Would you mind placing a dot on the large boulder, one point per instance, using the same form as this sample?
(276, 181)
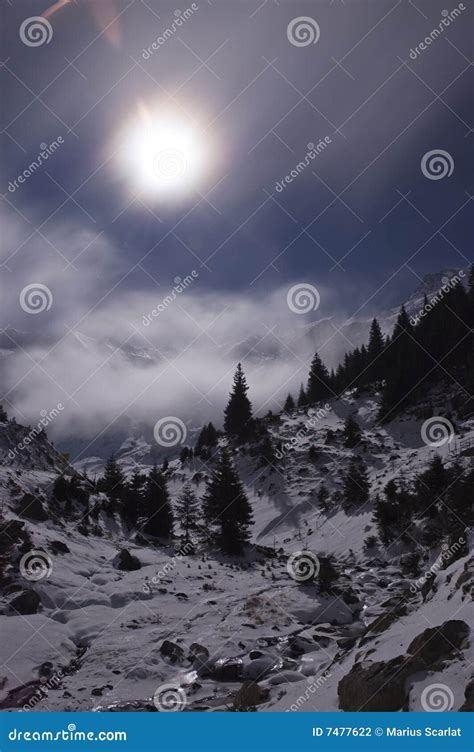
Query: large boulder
(58, 547)
(32, 508)
(468, 704)
(126, 561)
(378, 686)
(172, 651)
(439, 643)
(228, 669)
(26, 602)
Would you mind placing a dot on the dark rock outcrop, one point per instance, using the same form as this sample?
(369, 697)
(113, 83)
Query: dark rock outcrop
(26, 602)
(126, 561)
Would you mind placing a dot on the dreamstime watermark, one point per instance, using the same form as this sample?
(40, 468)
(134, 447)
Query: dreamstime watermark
(445, 556)
(170, 698)
(447, 19)
(170, 431)
(303, 566)
(437, 431)
(303, 31)
(313, 685)
(169, 567)
(314, 416)
(314, 150)
(47, 417)
(46, 151)
(36, 565)
(36, 298)
(42, 692)
(437, 698)
(71, 734)
(180, 286)
(448, 285)
(303, 298)
(170, 165)
(437, 164)
(35, 31)
(178, 21)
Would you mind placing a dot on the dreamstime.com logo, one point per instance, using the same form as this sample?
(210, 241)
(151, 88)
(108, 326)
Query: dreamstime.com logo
(437, 698)
(303, 298)
(303, 566)
(437, 431)
(303, 31)
(71, 734)
(313, 685)
(46, 151)
(179, 287)
(170, 431)
(445, 556)
(168, 568)
(179, 19)
(45, 420)
(437, 164)
(448, 285)
(447, 19)
(36, 298)
(314, 416)
(54, 682)
(314, 150)
(170, 165)
(35, 31)
(170, 699)
(36, 565)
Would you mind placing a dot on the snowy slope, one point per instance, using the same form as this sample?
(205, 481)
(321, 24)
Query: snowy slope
(98, 638)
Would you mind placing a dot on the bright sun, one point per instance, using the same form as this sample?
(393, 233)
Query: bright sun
(165, 154)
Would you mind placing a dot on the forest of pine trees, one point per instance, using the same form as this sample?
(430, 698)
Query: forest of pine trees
(439, 344)
(420, 350)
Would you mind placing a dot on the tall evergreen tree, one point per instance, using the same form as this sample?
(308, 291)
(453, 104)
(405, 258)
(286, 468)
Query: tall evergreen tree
(133, 498)
(113, 481)
(289, 405)
(352, 432)
(302, 397)
(207, 439)
(238, 420)
(319, 387)
(188, 514)
(227, 511)
(356, 484)
(375, 349)
(400, 379)
(156, 506)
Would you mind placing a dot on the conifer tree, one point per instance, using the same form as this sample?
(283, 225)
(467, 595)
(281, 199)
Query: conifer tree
(302, 397)
(156, 506)
(133, 498)
(289, 405)
(113, 481)
(227, 511)
(206, 439)
(352, 432)
(238, 413)
(374, 353)
(356, 484)
(319, 387)
(188, 515)
(267, 452)
(400, 379)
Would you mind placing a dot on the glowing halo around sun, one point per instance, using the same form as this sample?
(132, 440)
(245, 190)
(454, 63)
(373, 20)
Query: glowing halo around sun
(165, 154)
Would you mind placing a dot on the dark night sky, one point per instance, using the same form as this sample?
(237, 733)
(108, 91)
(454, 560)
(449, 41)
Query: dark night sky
(362, 222)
